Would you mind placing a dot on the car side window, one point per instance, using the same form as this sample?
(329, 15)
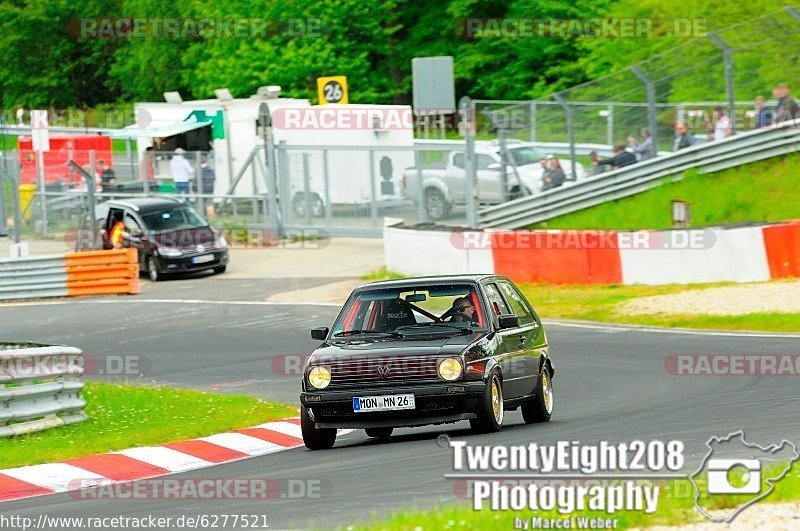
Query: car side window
(458, 160)
(484, 161)
(499, 306)
(517, 303)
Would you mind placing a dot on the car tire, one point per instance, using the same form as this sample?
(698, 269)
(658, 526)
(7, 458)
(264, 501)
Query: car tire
(436, 206)
(490, 412)
(153, 272)
(379, 433)
(539, 407)
(219, 270)
(315, 438)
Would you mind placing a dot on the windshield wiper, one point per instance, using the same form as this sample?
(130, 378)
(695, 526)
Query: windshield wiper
(359, 332)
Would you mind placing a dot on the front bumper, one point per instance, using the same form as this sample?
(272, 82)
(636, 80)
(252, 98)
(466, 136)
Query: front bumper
(184, 263)
(437, 403)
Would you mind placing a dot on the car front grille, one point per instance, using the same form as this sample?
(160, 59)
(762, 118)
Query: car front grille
(383, 371)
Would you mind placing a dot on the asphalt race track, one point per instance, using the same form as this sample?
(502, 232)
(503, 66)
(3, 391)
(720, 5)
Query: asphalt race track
(610, 384)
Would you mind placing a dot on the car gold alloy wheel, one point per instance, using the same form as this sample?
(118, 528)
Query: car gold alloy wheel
(497, 401)
(547, 392)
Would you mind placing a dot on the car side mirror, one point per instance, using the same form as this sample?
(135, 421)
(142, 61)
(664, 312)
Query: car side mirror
(508, 321)
(494, 166)
(320, 333)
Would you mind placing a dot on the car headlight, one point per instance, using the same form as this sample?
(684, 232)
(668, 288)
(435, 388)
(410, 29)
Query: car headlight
(170, 252)
(449, 369)
(220, 242)
(319, 377)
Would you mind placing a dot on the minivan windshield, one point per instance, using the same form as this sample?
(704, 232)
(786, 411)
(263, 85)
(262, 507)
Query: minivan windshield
(173, 218)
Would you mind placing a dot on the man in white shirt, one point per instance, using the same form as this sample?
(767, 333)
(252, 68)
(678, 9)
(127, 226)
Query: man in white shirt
(181, 171)
(722, 128)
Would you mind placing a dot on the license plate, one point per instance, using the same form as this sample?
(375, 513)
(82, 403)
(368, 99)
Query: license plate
(203, 259)
(363, 404)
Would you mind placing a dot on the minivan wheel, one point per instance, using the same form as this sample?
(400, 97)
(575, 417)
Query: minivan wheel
(315, 438)
(152, 269)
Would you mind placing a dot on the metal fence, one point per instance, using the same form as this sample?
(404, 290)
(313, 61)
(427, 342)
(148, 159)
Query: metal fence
(726, 70)
(39, 387)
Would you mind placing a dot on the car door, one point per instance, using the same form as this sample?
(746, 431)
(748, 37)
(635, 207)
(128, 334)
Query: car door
(457, 178)
(529, 337)
(489, 182)
(509, 351)
(132, 237)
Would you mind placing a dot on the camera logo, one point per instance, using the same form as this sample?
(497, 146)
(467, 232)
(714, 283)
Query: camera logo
(735, 474)
(725, 476)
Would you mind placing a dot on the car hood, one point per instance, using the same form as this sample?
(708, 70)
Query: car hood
(381, 347)
(184, 238)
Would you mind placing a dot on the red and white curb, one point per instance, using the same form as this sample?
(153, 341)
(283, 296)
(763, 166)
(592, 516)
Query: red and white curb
(150, 461)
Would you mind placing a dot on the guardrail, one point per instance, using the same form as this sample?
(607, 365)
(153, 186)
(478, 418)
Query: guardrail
(70, 275)
(39, 387)
(708, 157)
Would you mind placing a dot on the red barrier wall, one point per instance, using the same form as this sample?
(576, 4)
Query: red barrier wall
(595, 260)
(782, 243)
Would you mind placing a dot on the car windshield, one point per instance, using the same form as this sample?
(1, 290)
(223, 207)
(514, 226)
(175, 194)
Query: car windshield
(173, 218)
(525, 155)
(408, 311)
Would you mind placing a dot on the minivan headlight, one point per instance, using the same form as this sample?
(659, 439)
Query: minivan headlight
(449, 369)
(170, 252)
(319, 377)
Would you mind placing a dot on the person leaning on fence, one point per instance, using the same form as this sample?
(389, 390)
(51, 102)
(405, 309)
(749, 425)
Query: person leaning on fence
(555, 176)
(763, 114)
(722, 124)
(107, 175)
(621, 157)
(597, 168)
(181, 171)
(786, 108)
(644, 150)
(683, 138)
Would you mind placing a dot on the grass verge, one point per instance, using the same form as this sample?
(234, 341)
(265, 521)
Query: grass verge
(675, 507)
(124, 416)
(599, 303)
(763, 191)
(381, 274)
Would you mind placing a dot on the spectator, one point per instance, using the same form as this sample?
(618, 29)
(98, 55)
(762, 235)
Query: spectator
(722, 126)
(763, 115)
(683, 138)
(786, 108)
(207, 175)
(545, 171)
(556, 176)
(147, 171)
(98, 183)
(620, 159)
(644, 150)
(597, 168)
(107, 175)
(181, 171)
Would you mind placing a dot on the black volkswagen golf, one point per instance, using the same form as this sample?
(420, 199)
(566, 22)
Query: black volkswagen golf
(422, 351)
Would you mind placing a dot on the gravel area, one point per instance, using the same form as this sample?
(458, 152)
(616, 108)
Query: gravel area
(767, 297)
(763, 517)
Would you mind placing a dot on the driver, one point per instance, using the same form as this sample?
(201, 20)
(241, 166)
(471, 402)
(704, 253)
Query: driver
(462, 311)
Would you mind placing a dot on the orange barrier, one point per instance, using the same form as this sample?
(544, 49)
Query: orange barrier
(102, 272)
(782, 243)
